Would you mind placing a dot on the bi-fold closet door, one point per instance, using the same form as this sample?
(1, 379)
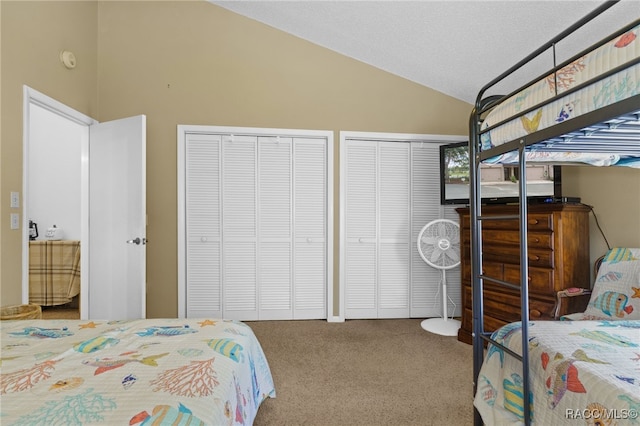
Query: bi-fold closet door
(377, 242)
(255, 226)
(391, 189)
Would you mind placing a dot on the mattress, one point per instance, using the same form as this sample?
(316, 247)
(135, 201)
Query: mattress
(579, 371)
(622, 84)
(66, 372)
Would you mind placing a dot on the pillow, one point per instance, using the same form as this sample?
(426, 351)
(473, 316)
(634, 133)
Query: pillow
(616, 290)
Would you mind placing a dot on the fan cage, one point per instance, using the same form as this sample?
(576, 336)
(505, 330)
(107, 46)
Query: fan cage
(439, 244)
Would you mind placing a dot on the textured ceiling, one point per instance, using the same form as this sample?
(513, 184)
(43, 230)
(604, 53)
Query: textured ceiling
(455, 47)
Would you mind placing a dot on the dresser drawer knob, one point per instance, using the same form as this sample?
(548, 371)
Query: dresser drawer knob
(534, 221)
(534, 313)
(534, 258)
(536, 240)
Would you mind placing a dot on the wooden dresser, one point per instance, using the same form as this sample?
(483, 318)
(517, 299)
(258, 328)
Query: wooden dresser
(558, 237)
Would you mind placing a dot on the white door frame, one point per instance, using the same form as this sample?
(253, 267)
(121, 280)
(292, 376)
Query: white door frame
(182, 133)
(33, 97)
(370, 136)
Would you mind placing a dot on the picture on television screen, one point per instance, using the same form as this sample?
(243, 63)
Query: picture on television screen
(499, 182)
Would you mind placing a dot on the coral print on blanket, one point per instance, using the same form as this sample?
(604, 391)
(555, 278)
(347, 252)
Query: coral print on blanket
(131, 372)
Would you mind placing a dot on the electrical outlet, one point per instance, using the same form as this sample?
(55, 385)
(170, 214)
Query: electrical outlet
(15, 199)
(15, 221)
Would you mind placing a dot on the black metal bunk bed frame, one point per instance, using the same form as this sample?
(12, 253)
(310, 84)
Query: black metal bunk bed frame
(592, 125)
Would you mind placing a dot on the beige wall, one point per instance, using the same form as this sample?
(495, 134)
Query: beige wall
(195, 63)
(32, 36)
(614, 193)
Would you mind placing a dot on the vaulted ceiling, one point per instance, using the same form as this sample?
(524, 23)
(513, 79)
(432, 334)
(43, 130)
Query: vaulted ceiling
(455, 47)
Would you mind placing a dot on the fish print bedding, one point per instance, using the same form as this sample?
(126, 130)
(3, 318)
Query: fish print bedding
(622, 51)
(580, 371)
(137, 372)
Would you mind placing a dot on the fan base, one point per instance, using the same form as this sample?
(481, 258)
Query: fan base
(444, 327)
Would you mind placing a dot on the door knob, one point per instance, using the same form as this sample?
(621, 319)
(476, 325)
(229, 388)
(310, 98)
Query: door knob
(137, 241)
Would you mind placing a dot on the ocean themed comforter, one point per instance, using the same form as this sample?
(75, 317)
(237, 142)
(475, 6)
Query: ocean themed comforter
(623, 84)
(580, 371)
(138, 372)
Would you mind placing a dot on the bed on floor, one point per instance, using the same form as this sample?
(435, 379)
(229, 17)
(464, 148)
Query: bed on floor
(584, 368)
(153, 371)
(585, 110)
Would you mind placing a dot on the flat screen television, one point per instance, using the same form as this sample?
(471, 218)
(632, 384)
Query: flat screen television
(499, 182)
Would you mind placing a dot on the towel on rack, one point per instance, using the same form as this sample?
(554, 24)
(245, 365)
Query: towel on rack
(54, 272)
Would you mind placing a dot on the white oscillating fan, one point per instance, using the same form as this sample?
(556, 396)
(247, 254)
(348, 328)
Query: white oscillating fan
(439, 247)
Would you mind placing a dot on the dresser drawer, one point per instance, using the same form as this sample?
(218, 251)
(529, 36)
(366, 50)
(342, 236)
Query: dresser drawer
(535, 222)
(512, 237)
(490, 323)
(540, 279)
(511, 255)
(505, 305)
(540, 240)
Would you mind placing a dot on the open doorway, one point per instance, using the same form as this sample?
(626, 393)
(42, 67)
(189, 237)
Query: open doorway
(109, 160)
(55, 170)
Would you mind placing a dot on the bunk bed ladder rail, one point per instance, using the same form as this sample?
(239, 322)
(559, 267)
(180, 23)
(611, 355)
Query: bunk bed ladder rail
(478, 277)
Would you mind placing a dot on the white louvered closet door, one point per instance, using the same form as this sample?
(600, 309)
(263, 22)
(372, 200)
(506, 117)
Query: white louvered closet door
(394, 209)
(202, 222)
(274, 225)
(239, 219)
(310, 228)
(425, 185)
(361, 256)
(377, 229)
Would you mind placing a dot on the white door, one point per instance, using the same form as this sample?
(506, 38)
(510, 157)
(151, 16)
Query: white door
(275, 287)
(202, 233)
(239, 230)
(311, 192)
(426, 298)
(113, 187)
(377, 229)
(394, 216)
(117, 225)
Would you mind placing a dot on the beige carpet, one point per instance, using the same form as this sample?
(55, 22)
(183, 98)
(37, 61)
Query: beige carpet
(365, 372)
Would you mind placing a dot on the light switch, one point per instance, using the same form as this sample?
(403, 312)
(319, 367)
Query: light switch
(15, 221)
(15, 199)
